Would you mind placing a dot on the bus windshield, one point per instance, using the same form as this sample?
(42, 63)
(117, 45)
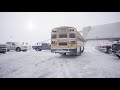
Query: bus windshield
(62, 35)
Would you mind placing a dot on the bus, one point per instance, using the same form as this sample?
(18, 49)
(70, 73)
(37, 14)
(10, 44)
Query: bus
(66, 40)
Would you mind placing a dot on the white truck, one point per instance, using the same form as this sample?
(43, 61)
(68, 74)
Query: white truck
(16, 46)
(3, 48)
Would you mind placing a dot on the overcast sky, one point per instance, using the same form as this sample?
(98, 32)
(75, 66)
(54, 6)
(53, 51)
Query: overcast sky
(36, 26)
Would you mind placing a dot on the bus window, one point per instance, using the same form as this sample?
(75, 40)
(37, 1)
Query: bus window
(62, 35)
(62, 43)
(72, 35)
(54, 36)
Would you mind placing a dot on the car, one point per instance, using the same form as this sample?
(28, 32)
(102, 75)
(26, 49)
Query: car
(3, 48)
(16, 46)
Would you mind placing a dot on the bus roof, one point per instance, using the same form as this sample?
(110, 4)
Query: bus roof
(64, 28)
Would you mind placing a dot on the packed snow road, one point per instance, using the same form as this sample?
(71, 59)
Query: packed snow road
(44, 64)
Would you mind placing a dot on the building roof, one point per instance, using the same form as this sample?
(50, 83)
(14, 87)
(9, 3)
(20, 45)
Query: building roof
(111, 30)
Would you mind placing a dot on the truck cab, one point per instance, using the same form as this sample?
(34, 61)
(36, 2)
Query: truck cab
(42, 46)
(16, 46)
(46, 46)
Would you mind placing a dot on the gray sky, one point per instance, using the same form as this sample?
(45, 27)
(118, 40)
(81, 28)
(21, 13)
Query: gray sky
(36, 26)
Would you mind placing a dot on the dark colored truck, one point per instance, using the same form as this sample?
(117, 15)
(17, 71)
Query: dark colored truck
(42, 46)
(116, 49)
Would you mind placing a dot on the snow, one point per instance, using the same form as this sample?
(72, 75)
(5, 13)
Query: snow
(44, 64)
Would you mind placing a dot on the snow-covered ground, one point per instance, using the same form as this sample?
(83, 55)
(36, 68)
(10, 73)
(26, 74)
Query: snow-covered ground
(44, 64)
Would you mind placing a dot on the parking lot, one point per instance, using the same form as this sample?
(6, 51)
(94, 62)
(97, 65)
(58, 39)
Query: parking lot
(44, 64)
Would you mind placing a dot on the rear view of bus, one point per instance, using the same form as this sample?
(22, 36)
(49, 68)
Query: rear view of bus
(66, 40)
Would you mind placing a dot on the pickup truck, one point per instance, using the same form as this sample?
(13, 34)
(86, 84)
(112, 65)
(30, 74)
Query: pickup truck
(3, 48)
(116, 49)
(42, 46)
(16, 46)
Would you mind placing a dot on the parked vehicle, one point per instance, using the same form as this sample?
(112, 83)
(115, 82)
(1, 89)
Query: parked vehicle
(116, 49)
(106, 48)
(3, 48)
(42, 46)
(16, 46)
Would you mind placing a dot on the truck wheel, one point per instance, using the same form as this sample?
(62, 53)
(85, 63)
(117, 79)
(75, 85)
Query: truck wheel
(39, 49)
(63, 54)
(118, 56)
(18, 49)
